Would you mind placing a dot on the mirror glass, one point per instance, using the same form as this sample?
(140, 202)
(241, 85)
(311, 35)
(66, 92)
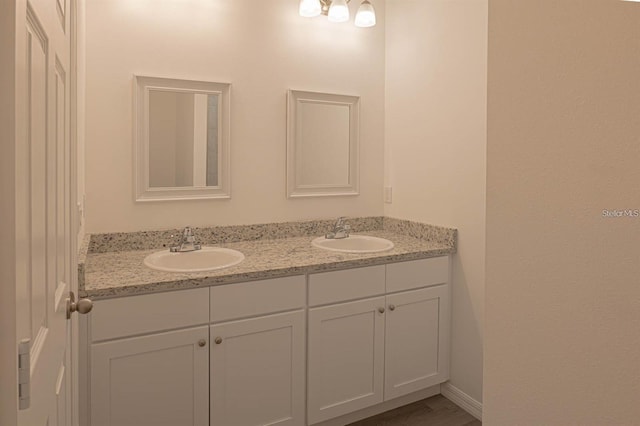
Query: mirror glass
(322, 144)
(182, 139)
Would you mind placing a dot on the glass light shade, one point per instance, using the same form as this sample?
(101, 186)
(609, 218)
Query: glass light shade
(366, 16)
(310, 8)
(339, 11)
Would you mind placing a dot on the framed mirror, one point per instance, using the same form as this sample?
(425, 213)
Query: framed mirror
(181, 139)
(322, 144)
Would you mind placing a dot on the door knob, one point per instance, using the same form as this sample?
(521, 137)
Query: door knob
(82, 306)
(392, 307)
(381, 310)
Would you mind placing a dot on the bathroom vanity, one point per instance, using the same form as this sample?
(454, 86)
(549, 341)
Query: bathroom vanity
(294, 335)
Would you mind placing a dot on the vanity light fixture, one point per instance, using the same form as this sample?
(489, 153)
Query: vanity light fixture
(310, 8)
(338, 11)
(366, 16)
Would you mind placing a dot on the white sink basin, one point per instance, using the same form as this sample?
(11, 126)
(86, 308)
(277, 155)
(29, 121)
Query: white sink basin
(354, 244)
(203, 260)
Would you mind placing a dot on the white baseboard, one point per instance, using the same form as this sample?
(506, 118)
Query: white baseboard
(462, 400)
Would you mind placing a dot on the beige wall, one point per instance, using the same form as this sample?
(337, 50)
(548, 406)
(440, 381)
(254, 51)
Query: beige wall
(563, 295)
(262, 50)
(436, 55)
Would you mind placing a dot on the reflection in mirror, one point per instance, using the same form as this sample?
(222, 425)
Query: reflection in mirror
(182, 139)
(322, 144)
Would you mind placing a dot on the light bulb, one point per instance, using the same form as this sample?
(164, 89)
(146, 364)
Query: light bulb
(339, 11)
(310, 8)
(366, 16)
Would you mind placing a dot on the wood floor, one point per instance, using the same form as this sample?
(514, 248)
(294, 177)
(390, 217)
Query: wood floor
(434, 411)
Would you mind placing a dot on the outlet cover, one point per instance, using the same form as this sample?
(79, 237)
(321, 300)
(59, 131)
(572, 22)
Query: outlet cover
(388, 194)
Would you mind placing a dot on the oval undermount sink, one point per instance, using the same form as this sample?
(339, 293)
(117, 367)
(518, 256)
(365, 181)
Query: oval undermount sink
(203, 260)
(354, 244)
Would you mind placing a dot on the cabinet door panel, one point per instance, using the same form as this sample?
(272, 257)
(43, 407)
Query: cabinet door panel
(156, 380)
(416, 353)
(346, 350)
(257, 371)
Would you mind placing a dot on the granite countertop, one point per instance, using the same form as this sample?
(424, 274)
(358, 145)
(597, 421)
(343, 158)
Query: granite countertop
(118, 271)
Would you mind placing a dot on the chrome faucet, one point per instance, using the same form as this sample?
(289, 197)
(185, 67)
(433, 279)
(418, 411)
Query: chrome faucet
(187, 242)
(340, 229)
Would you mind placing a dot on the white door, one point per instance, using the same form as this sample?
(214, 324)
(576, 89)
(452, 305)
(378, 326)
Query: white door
(156, 380)
(45, 246)
(346, 358)
(257, 371)
(416, 341)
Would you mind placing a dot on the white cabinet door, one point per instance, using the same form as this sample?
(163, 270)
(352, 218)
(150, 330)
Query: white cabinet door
(258, 371)
(156, 380)
(417, 340)
(345, 355)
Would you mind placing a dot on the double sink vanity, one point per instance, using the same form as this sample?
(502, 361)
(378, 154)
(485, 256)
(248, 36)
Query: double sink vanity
(271, 324)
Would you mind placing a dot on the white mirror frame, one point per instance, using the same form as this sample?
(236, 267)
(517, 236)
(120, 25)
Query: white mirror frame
(143, 192)
(295, 188)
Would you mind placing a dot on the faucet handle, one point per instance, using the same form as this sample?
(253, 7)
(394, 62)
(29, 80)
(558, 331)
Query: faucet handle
(188, 236)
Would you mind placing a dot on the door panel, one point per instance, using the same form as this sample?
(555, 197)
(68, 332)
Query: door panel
(62, 412)
(44, 231)
(37, 165)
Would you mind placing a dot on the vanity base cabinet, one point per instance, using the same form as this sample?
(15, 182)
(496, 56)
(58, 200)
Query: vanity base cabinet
(375, 349)
(346, 358)
(416, 340)
(258, 371)
(156, 380)
(293, 351)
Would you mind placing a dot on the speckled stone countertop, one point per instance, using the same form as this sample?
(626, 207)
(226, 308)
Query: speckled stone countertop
(111, 265)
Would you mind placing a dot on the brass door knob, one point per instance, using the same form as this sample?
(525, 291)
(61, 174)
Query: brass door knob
(218, 340)
(381, 310)
(202, 343)
(392, 307)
